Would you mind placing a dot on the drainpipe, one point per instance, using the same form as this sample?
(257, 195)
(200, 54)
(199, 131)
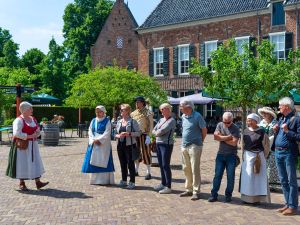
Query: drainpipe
(297, 24)
(258, 28)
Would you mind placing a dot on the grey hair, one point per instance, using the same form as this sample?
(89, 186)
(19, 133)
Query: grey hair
(166, 105)
(287, 101)
(187, 103)
(228, 115)
(24, 106)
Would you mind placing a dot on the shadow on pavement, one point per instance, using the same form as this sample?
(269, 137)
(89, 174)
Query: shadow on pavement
(55, 193)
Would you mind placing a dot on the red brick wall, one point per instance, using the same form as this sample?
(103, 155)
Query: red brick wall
(119, 23)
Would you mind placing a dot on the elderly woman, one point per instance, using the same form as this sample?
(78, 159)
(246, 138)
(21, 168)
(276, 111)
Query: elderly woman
(127, 130)
(25, 162)
(268, 122)
(98, 158)
(254, 186)
(164, 132)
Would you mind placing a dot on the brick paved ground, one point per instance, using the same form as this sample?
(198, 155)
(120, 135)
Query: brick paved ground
(69, 199)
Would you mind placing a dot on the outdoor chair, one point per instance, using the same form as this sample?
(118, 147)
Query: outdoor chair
(62, 130)
(74, 128)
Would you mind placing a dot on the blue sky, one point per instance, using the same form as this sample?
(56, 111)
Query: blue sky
(32, 23)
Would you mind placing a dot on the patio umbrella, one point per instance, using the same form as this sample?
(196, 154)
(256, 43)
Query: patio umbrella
(195, 98)
(295, 96)
(45, 99)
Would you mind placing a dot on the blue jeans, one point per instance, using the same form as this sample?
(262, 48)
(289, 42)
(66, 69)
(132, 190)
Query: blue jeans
(222, 162)
(286, 162)
(164, 152)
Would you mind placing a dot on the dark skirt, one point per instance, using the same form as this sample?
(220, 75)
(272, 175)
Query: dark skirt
(88, 168)
(12, 161)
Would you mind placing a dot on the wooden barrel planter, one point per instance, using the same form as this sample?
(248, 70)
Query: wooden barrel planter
(50, 135)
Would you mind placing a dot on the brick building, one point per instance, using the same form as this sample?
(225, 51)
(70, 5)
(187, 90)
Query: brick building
(117, 42)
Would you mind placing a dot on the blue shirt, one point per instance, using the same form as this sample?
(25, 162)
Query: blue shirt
(281, 138)
(192, 129)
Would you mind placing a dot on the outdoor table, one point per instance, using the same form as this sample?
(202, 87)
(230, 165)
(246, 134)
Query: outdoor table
(4, 129)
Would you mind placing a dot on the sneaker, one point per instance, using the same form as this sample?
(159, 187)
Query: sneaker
(130, 185)
(122, 184)
(166, 190)
(158, 187)
(186, 194)
(228, 199)
(212, 199)
(195, 197)
(148, 177)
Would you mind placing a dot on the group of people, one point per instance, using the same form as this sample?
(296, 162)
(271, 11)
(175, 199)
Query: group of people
(269, 151)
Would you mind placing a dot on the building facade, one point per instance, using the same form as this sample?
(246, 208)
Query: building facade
(117, 43)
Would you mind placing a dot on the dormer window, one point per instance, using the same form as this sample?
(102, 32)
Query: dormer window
(278, 14)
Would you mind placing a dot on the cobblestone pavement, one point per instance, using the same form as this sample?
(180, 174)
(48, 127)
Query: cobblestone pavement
(69, 199)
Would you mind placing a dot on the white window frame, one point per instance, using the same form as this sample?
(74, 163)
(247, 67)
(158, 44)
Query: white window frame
(243, 39)
(207, 52)
(209, 108)
(180, 47)
(277, 43)
(155, 51)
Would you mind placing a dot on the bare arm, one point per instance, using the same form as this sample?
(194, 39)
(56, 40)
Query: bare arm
(204, 133)
(233, 141)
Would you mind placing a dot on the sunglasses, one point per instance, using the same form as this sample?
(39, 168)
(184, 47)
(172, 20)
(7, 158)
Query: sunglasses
(227, 122)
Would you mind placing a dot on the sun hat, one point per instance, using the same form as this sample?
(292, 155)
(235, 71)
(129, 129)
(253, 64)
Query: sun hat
(268, 110)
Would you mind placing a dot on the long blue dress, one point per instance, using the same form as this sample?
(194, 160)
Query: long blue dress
(87, 167)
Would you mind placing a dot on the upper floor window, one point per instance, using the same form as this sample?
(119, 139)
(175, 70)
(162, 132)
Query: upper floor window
(240, 42)
(119, 42)
(278, 39)
(278, 15)
(210, 46)
(184, 59)
(158, 61)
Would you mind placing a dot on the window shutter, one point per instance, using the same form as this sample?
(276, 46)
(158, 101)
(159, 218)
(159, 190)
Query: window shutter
(166, 62)
(151, 62)
(202, 54)
(191, 53)
(251, 47)
(266, 37)
(288, 43)
(175, 60)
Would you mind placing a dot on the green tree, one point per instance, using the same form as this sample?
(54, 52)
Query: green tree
(83, 21)
(112, 86)
(244, 79)
(4, 37)
(13, 76)
(53, 77)
(31, 59)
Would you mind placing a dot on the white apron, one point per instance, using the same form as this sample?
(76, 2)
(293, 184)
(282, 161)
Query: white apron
(253, 184)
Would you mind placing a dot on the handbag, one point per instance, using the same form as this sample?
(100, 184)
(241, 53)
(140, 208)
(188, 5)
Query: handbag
(257, 163)
(21, 144)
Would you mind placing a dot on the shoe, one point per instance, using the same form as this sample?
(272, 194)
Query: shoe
(289, 212)
(148, 177)
(136, 174)
(166, 190)
(130, 186)
(186, 194)
(228, 199)
(22, 186)
(281, 210)
(122, 184)
(158, 187)
(212, 199)
(40, 184)
(195, 197)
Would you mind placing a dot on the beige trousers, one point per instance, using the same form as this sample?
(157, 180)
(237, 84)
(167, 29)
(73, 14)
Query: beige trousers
(191, 156)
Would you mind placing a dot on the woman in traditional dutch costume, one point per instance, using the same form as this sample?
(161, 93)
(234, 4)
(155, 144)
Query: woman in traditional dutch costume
(98, 159)
(269, 120)
(254, 186)
(26, 163)
(127, 131)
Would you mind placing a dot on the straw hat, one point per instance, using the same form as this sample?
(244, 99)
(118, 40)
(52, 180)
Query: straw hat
(267, 110)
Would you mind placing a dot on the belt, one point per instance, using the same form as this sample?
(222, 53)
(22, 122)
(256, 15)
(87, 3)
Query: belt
(281, 149)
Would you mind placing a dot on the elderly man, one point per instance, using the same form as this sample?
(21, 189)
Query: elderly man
(227, 133)
(193, 134)
(287, 132)
(144, 117)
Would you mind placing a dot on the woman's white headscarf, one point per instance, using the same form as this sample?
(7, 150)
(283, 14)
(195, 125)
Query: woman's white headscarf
(254, 116)
(24, 106)
(101, 108)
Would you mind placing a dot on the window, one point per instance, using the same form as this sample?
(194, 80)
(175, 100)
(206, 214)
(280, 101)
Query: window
(210, 46)
(210, 110)
(119, 42)
(158, 61)
(183, 61)
(278, 16)
(278, 40)
(240, 42)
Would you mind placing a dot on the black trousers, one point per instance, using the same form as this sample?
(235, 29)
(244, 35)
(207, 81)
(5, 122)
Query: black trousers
(126, 162)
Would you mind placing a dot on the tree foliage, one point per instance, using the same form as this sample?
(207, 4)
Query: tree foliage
(112, 86)
(83, 21)
(244, 80)
(31, 59)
